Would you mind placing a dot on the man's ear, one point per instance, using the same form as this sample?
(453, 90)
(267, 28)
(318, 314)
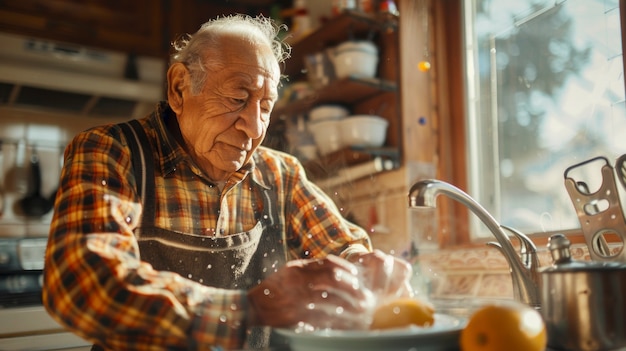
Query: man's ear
(177, 79)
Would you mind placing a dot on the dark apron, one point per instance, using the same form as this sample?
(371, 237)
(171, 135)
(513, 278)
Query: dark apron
(235, 261)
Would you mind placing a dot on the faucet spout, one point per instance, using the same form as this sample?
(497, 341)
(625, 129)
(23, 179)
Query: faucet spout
(524, 269)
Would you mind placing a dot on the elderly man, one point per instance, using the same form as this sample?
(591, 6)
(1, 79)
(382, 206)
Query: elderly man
(179, 231)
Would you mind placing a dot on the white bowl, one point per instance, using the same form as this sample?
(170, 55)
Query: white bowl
(326, 135)
(355, 58)
(442, 335)
(363, 130)
(307, 151)
(324, 112)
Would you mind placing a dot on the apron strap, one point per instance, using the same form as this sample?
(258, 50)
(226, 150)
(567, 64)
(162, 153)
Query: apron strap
(143, 167)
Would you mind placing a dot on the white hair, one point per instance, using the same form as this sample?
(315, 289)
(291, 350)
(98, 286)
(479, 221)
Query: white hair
(191, 49)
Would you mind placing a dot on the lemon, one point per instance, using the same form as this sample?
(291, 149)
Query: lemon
(497, 327)
(403, 312)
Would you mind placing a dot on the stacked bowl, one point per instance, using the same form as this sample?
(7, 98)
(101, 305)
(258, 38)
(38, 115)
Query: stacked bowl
(333, 128)
(355, 59)
(363, 131)
(324, 125)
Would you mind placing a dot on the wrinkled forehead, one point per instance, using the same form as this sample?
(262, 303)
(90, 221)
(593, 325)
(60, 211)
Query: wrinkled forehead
(249, 49)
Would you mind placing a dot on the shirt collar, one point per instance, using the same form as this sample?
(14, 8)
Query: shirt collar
(169, 149)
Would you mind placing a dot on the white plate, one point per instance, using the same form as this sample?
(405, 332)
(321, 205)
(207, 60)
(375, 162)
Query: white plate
(443, 335)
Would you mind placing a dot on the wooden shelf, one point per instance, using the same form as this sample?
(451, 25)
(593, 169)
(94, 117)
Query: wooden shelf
(329, 165)
(347, 163)
(346, 26)
(342, 91)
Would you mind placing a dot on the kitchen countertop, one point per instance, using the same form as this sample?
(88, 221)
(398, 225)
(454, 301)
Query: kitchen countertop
(31, 328)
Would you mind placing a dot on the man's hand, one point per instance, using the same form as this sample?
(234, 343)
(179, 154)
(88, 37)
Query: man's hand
(386, 276)
(322, 293)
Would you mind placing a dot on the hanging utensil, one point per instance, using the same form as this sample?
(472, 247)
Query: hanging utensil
(35, 204)
(620, 169)
(600, 213)
(15, 179)
(1, 180)
(603, 246)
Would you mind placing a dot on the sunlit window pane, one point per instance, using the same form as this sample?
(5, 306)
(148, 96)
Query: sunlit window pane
(545, 92)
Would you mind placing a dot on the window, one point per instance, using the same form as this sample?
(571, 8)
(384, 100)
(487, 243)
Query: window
(545, 91)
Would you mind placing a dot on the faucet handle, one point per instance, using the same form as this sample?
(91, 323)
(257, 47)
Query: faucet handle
(528, 249)
(497, 245)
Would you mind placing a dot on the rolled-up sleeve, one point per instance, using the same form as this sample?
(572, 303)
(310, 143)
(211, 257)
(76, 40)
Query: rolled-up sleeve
(316, 226)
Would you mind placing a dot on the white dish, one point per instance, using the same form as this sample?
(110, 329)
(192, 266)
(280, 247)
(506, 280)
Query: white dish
(363, 130)
(355, 58)
(443, 335)
(326, 135)
(326, 112)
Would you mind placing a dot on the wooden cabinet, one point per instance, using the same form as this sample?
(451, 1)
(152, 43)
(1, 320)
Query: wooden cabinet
(363, 95)
(142, 27)
(129, 26)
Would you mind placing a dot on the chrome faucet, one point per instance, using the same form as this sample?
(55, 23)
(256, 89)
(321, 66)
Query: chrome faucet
(523, 267)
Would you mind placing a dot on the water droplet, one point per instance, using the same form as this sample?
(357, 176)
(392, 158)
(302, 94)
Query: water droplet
(223, 318)
(209, 266)
(324, 294)
(234, 307)
(189, 275)
(265, 254)
(266, 292)
(201, 281)
(396, 310)
(104, 182)
(338, 275)
(310, 306)
(306, 253)
(129, 220)
(339, 310)
(232, 266)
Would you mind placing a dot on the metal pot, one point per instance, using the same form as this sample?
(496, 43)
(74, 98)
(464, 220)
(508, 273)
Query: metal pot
(583, 303)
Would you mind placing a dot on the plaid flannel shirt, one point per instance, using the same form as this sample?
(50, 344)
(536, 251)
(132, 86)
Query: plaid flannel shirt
(95, 283)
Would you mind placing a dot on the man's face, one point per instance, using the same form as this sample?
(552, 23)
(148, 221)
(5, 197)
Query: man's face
(224, 124)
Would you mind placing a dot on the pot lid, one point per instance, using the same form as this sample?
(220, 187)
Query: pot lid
(559, 246)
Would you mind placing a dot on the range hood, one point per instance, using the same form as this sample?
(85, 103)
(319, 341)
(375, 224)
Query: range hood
(47, 76)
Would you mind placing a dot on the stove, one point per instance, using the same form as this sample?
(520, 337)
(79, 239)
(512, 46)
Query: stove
(21, 271)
